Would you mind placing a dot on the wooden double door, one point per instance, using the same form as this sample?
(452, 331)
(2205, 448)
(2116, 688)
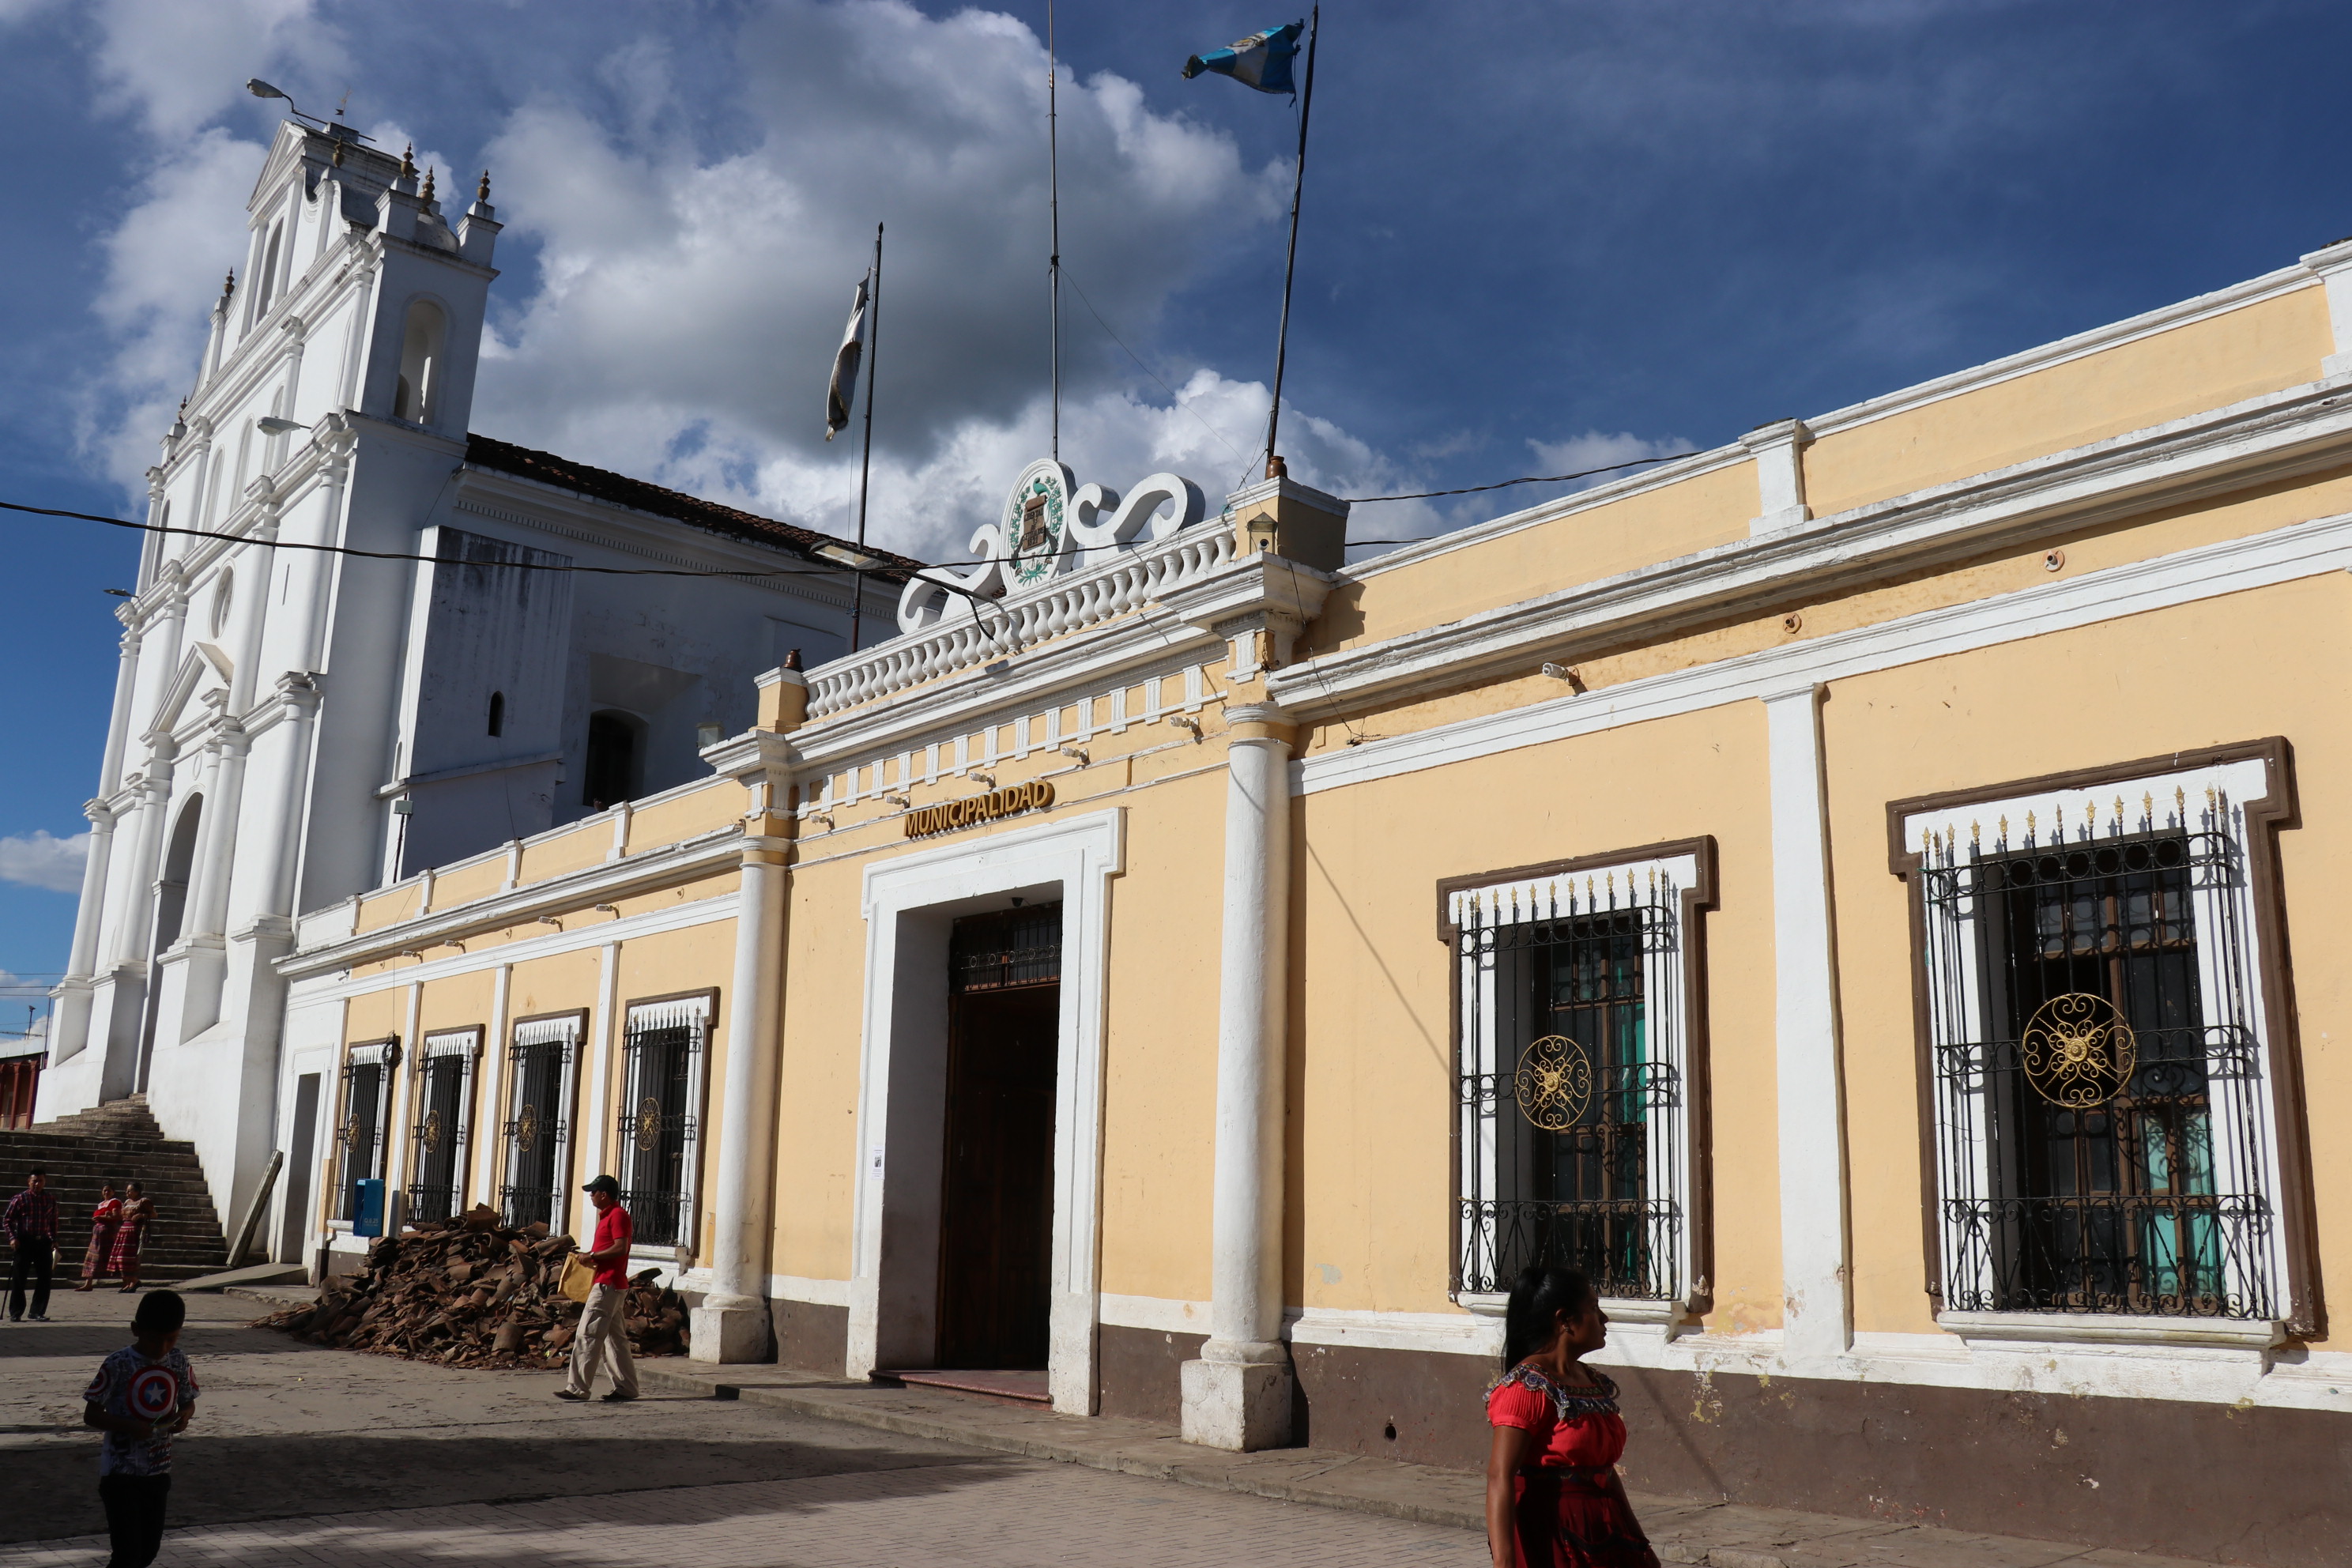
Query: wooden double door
(996, 1200)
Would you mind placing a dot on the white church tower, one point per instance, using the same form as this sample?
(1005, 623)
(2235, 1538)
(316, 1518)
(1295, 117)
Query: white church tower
(293, 726)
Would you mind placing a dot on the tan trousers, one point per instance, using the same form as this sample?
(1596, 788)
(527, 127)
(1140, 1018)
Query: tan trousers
(602, 1329)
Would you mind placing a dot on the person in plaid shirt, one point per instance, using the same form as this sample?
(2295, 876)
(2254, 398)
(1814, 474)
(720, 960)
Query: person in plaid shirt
(31, 1222)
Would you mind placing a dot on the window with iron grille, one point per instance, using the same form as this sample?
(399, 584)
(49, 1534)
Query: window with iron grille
(1007, 949)
(1574, 1110)
(445, 1095)
(541, 1060)
(367, 1112)
(2102, 1131)
(665, 1052)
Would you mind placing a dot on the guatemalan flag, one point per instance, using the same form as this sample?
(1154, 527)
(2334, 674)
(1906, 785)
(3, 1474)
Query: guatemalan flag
(1262, 60)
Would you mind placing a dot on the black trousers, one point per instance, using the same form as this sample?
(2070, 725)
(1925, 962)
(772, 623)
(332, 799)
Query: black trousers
(134, 1517)
(35, 1259)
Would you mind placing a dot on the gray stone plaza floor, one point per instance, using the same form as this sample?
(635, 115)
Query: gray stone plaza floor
(307, 1455)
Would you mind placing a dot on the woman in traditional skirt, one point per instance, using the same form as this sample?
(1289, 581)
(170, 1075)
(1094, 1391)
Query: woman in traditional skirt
(138, 1213)
(1553, 1496)
(104, 1220)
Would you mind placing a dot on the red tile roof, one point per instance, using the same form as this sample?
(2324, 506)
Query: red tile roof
(601, 484)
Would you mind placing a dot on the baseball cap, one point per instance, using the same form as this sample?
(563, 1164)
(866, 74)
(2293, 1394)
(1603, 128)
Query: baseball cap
(603, 1184)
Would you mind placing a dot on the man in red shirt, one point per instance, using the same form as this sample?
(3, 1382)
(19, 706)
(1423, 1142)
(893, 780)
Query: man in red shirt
(601, 1325)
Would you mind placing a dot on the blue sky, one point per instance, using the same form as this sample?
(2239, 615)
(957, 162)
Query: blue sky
(1537, 236)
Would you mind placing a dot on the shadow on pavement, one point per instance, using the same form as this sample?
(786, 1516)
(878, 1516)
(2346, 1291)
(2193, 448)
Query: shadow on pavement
(53, 1492)
(97, 1340)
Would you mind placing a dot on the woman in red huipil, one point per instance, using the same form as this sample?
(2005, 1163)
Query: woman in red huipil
(138, 1213)
(104, 1221)
(1553, 1496)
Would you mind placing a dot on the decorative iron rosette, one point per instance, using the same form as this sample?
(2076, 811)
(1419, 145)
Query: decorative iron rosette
(527, 1128)
(430, 1134)
(2077, 1050)
(1554, 1083)
(352, 1131)
(649, 1124)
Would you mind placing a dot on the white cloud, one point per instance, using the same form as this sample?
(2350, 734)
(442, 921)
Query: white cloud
(1602, 449)
(38, 861)
(686, 295)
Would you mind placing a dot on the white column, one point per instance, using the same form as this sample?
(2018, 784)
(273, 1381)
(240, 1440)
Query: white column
(126, 686)
(70, 1029)
(154, 787)
(1817, 1320)
(731, 1324)
(280, 825)
(208, 901)
(1237, 1395)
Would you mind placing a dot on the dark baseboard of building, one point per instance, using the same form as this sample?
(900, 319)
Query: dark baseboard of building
(810, 1337)
(2254, 1486)
(1135, 1371)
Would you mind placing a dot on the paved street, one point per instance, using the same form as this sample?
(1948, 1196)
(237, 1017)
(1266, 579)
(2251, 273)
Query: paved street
(307, 1455)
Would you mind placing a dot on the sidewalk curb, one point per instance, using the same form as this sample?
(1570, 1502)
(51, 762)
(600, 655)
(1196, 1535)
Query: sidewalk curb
(1682, 1530)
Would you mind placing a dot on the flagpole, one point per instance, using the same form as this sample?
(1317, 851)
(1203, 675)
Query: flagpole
(1290, 266)
(865, 463)
(1054, 211)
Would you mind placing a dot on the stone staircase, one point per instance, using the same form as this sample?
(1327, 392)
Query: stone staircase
(119, 1141)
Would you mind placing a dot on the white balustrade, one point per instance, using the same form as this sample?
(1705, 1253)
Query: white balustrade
(972, 631)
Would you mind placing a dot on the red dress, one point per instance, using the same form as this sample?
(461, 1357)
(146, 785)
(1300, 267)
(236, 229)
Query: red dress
(131, 1233)
(103, 1222)
(1566, 1512)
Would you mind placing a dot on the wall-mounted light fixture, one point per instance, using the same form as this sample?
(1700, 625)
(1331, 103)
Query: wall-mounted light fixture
(1182, 722)
(1077, 754)
(987, 778)
(900, 801)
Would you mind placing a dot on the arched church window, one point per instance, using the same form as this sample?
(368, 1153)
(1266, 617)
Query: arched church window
(498, 712)
(266, 284)
(224, 594)
(615, 759)
(418, 391)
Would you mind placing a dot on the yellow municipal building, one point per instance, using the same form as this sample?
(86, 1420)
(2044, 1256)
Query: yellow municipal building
(1841, 890)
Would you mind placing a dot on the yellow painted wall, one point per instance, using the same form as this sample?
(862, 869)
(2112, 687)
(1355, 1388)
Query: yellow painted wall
(693, 959)
(817, 1122)
(1374, 1087)
(1649, 526)
(2236, 669)
(1160, 1044)
(714, 806)
(2206, 364)
(587, 845)
(463, 884)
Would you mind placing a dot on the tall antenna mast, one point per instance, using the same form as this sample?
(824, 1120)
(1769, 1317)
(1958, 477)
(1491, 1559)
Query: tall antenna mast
(1053, 212)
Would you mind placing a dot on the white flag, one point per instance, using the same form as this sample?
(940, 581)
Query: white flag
(844, 390)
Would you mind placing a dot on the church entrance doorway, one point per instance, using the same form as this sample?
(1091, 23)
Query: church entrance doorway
(996, 1198)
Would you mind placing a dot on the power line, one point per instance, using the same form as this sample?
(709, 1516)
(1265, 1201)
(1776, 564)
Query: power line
(813, 571)
(1506, 484)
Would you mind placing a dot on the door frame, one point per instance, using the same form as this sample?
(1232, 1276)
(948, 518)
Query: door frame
(909, 903)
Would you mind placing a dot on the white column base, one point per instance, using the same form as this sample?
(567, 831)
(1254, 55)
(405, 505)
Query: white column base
(729, 1335)
(1240, 1406)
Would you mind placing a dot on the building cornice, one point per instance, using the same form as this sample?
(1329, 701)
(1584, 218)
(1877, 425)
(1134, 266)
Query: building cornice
(2263, 439)
(666, 866)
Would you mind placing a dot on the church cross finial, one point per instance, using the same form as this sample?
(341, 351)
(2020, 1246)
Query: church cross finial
(482, 191)
(408, 162)
(228, 285)
(428, 184)
(336, 155)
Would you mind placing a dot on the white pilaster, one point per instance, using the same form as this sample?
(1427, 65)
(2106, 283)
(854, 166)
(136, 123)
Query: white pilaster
(1816, 1289)
(732, 1323)
(70, 1031)
(2334, 265)
(1780, 449)
(1238, 1394)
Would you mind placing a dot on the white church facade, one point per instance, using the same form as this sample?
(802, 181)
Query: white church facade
(294, 724)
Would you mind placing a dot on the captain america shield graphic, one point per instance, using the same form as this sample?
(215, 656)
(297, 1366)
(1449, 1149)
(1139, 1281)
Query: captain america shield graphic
(153, 1394)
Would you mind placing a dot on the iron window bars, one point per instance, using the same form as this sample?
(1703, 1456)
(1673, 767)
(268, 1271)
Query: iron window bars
(541, 1059)
(367, 1111)
(1573, 1121)
(2102, 1142)
(1007, 950)
(445, 1119)
(665, 1053)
